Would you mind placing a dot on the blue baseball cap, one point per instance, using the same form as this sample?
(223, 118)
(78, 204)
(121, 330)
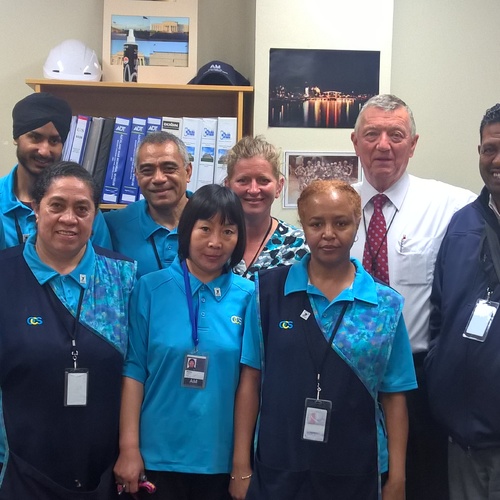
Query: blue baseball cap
(218, 73)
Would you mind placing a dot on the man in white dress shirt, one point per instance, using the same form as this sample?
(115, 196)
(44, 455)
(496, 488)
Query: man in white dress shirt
(417, 214)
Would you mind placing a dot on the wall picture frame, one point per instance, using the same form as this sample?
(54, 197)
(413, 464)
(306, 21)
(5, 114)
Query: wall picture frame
(303, 167)
(317, 88)
(166, 33)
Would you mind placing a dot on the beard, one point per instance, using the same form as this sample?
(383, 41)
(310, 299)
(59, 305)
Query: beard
(32, 163)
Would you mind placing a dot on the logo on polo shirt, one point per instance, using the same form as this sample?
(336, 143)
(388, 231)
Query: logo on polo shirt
(34, 320)
(236, 320)
(286, 325)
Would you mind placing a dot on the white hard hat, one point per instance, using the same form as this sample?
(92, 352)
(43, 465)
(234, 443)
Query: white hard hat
(72, 60)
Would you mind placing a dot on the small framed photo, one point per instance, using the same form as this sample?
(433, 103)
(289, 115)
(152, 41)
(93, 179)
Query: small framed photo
(165, 32)
(301, 168)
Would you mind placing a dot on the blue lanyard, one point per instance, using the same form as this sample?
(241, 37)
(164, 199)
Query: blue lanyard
(193, 315)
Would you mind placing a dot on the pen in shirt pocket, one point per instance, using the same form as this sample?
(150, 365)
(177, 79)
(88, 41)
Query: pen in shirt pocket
(402, 242)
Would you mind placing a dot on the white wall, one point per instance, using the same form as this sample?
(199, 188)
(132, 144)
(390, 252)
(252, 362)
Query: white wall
(226, 32)
(446, 66)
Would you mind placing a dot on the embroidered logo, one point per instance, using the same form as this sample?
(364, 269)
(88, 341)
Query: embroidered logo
(34, 320)
(236, 320)
(286, 325)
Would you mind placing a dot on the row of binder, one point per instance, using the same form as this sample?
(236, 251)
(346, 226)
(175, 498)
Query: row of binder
(106, 147)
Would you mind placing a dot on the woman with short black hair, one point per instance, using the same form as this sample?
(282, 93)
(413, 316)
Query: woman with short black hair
(185, 349)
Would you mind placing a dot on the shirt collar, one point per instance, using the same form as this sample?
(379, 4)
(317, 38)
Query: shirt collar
(148, 225)
(44, 273)
(8, 199)
(362, 288)
(218, 287)
(396, 193)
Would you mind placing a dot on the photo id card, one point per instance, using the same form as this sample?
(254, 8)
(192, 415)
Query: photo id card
(76, 386)
(194, 371)
(480, 320)
(316, 420)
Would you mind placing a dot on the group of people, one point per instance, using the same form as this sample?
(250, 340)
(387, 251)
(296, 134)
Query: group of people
(193, 345)
(313, 170)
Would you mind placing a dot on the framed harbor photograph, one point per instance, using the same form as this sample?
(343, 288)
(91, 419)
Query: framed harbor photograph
(320, 88)
(301, 168)
(164, 32)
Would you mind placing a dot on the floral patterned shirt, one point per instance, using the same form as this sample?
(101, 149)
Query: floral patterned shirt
(286, 246)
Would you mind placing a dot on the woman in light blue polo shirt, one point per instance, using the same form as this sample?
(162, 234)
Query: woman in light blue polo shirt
(183, 363)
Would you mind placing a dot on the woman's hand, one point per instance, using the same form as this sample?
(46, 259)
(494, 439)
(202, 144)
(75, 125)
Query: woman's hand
(238, 487)
(393, 490)
(129, 468)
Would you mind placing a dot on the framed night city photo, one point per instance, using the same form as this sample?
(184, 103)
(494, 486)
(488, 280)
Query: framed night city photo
(303, 167)
(320, 88)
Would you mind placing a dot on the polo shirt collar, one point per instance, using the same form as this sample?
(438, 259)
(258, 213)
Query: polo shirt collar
(363, 287)
(148, 225)
(219, 287)
(44, 273)
(8, 200)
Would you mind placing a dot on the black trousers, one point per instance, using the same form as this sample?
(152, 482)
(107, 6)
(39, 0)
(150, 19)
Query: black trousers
(182, 486)
(427, 453)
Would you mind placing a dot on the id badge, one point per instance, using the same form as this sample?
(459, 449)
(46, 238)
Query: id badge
(480, 320)
(194, 371)
(316, 420)
(76, 386)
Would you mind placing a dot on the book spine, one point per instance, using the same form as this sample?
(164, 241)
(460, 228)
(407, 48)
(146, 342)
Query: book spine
(207, 152)
(172, 125)
(153, 124)
(81, 131)
(103, 152)
(117, 159)
(226, 139)
(129, 188)
(191, 136)
(68, 144)
(92, 145)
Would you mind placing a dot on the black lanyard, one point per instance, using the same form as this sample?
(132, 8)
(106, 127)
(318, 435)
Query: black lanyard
(327, 350)
(155, 250)
(259, 250)
(193, 311)
(21, 238)
(71, 332)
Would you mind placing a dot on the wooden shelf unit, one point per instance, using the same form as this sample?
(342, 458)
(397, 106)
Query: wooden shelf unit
(150, 99)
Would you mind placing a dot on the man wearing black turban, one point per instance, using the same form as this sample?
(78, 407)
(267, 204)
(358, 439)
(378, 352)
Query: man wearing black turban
(41, 124)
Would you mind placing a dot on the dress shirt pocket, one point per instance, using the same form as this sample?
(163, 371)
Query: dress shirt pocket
(415, 260)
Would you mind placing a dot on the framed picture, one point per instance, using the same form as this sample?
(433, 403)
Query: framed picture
(320, 88)
(301, 168)
(165, 32)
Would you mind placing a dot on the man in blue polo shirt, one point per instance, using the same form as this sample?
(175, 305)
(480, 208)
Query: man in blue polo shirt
(146, 230)
(41, 124)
